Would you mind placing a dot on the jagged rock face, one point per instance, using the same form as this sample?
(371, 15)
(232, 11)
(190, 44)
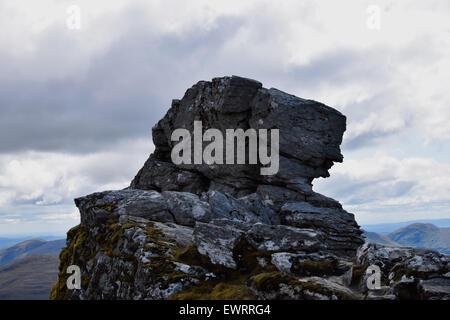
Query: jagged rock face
(310, 136)
(204, 231)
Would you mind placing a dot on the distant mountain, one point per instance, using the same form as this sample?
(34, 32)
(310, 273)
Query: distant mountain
(418, 235)
(381, 239)
(422, 235)
(7, 242)
(391, 227)
(30, 247)
(30, 278)
(10, 241)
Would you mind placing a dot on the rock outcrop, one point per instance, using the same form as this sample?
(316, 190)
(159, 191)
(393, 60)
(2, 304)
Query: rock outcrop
(225, 231)
(407, 273)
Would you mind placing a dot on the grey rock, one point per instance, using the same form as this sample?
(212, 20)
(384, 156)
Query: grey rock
(164, 176)
(187, 208)
(435, 289)
(284, 238)
(254, 203)
(343, 233)
(217, 242)
(307, 120)
(96, 208)
(137, 265)
(175, 233)
(224, 207)
(319, 200)
(275, 197)
(418, 261)
(310, 136)
(249, 208)
(240, 225)
(406, 270)
(293, 288)
(312, 264)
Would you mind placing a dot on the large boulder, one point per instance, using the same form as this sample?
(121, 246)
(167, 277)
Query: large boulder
(213, 231)
(310, 136)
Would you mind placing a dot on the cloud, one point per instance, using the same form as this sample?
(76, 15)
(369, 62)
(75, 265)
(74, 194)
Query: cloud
(39, 187)
(69, 98)
(77, 106)
(399, 188)
(45, 178)
(83, 91)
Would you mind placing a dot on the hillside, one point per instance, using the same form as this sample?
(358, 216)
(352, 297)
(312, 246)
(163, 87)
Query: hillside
(380, 238)
(423, 236)
(30, 278)
(28, 248)
(391, 227)
(418, 235)
(8, 242)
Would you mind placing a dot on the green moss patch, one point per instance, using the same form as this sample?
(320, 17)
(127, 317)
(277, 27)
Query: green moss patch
(107, 206)
(271, 282)
(229, 284)
(320, 267)
(213, 290)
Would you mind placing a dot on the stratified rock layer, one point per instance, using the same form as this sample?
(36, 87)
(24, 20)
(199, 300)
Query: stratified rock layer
(226, 231)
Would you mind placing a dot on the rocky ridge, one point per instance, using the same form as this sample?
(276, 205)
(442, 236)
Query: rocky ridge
(200, 231)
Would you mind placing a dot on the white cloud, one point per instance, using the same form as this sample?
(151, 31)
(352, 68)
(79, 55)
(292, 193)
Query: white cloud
(40, 187)
(45, 178)
(381, 188)
(83, 91)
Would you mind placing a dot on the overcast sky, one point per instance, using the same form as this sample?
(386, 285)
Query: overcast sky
(77, 105)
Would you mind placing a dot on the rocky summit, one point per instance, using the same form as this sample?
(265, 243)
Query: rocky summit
(224, 231)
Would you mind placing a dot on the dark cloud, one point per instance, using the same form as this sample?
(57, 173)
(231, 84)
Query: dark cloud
(355, 192)
(374, 192)
(119, 95)
(342, 66)
(371, 138)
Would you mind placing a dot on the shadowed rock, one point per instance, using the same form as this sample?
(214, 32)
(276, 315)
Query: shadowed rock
(310, 136)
